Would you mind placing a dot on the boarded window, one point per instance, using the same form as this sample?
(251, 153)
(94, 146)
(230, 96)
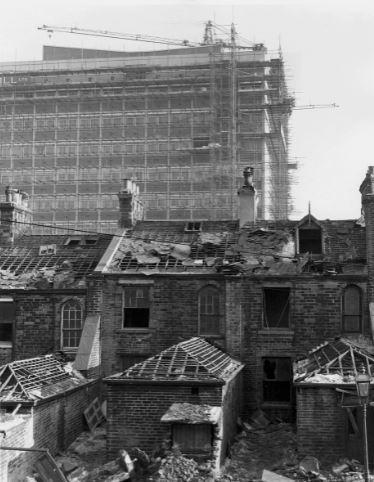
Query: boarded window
(276, 379)
(193, 439)
(7, 318)
(136, 307)
(209, 311)
(310, 238)
(352, 309)
(276, 307)
(72, 324)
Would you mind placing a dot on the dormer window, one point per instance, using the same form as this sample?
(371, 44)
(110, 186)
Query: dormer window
(192, 226)
(310, 237)
(73, 241)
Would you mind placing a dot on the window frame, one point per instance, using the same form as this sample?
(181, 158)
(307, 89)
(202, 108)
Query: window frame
(148, 297)
(265, 400)
(265, 323)
(10, 323)
(358, 315)
(76, 302)
(215, 305)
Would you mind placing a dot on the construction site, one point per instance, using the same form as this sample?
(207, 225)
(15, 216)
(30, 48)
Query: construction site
(182, 121)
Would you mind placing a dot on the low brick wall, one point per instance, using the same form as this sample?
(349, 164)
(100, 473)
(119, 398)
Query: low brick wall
(321, 423)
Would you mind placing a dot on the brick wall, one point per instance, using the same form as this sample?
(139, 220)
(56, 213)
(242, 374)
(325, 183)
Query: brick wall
(38, 320)
(321, 423)
(134, 412)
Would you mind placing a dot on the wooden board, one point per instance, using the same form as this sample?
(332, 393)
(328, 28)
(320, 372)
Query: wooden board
(48, 470)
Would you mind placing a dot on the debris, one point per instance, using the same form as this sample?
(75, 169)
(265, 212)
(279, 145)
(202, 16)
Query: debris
(259, 419)
(309, 465)
(338, 468)
(68, 466)
(268, 476)
(93, 414)
(78, 475)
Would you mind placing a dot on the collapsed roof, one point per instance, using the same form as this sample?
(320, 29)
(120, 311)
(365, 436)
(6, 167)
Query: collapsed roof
(191, 360)
(45, 261)
(36, 379)
(221, 246)
(337, 361)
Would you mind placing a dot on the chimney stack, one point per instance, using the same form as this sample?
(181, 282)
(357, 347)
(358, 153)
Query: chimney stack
(15, 215)
(130, 207)
(247, 199)
(367, 199)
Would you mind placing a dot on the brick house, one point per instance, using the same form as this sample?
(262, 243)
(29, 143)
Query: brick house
(42, 407)
(329, 417)
(43, 283)
(189, 393)
(266, 292)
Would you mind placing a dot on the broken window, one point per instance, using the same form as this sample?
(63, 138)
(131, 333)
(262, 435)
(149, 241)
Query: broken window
(276, 379)
(209, 319)
(310, 238)
(276, 307)
(136, 307)
(72, 324)
(7, 318)
(193, 439)
(351, 307)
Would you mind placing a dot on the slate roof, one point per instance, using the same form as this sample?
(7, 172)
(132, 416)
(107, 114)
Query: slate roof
(221, 246)
(337, 361)
(191, 360)
(35, 378)
(28, 259)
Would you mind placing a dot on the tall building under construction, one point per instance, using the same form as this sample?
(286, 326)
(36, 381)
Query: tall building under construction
(183, 122)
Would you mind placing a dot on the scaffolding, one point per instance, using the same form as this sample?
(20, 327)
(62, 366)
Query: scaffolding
(183, 124)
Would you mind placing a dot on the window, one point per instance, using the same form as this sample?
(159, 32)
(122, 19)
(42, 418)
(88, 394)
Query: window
(193, 226)
(276, 307)
(351, 309)
(136, 307)
(310, 238)
(72, 324)
(209, 319)
(7, 318)
(276, 379)
(193, 439)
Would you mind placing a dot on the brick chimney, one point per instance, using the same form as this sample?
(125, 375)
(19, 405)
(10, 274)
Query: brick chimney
(247, 199)
(15, 215)
(367, 200)
(130, 207)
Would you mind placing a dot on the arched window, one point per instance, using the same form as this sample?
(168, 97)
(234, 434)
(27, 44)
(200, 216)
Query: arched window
(72, 324)
(209, 313)
(351, 309)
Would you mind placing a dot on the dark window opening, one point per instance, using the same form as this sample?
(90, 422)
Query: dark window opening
(193, 439)
(136, 317)
(7, 317)
(193, 226)
(194, 390)
(310, 239)
(200, 142)
(127, 361)
(90, 241)
(276, 379)
(276, 307)
(136, 307)
(351, 310)
(6, 332)
(73, 242)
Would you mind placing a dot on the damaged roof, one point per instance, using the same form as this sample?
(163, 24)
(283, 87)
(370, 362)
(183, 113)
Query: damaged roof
(191, 360)
(36, 379)
(43, 261)
(268, 247)
(337, 361)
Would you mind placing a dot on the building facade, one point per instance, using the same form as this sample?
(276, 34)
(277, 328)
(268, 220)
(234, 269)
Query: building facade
(182, 122)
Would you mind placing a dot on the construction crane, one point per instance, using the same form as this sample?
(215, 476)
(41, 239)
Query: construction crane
(130, 36)
(207, 40)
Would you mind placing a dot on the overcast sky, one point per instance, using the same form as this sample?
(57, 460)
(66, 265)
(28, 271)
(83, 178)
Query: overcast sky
(329, 53)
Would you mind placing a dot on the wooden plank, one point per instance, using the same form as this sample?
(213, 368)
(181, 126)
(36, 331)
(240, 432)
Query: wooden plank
(48, 470)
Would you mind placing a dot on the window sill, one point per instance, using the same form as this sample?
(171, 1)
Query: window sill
(276, 331)
(133, 330)
(6, 344)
